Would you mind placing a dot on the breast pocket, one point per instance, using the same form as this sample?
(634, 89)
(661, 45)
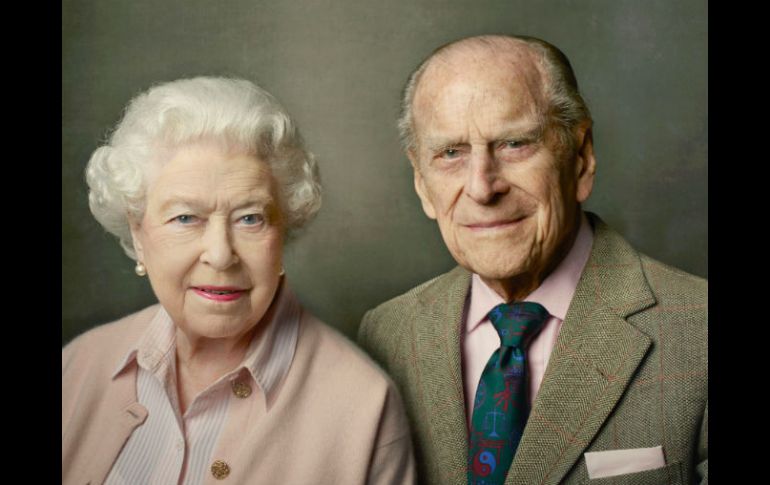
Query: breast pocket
(670, 474)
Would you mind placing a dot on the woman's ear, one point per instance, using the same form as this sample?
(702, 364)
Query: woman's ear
(136, 230)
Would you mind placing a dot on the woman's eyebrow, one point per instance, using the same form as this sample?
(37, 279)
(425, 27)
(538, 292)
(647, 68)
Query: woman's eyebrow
(172, 201)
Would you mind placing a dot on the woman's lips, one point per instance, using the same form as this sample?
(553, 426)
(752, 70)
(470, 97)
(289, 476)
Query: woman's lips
(219, 293)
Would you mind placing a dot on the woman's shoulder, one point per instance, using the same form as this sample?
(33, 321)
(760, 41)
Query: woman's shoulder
(337, 356)
(108, 341)
(336, 375)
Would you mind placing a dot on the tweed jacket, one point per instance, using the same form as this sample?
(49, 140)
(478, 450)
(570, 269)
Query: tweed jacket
(336, 418)
(628, 371)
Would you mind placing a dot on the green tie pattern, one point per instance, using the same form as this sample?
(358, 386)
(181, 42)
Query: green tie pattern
(501, 404)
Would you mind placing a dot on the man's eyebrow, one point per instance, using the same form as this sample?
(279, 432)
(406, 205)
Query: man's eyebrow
(436, 144)
(530, 131)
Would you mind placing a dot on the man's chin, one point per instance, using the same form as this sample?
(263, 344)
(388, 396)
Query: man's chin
(496, 270)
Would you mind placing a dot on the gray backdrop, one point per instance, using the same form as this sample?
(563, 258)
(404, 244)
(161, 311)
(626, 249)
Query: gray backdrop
(338, 67)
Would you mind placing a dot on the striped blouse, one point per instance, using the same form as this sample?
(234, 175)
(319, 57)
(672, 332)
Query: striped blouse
(171, 448)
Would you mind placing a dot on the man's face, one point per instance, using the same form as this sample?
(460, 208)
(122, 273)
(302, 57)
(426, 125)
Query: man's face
(489, 167)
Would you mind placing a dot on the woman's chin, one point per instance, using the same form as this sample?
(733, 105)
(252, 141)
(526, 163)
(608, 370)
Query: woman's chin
(217, 327)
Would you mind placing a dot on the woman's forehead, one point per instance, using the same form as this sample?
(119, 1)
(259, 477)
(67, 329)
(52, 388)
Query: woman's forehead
(203, 172)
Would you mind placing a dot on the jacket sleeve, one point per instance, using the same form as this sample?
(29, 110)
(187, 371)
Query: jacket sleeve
(376, 338)
(703, 455)
(364, 329)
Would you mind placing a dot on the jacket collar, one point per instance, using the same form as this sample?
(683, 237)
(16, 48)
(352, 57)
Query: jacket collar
(594, 359)
(436, 338)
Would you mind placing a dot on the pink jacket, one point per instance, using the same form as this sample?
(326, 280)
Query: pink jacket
(336, 418)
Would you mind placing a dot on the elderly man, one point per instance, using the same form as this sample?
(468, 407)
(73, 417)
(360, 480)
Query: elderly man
(554, 353)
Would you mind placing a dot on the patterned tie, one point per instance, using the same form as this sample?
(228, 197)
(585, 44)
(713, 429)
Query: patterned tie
(501, 406)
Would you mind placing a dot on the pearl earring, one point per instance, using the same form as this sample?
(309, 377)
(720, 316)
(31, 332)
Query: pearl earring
(139, 269)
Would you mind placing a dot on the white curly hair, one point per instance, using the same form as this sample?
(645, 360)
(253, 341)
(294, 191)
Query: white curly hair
(235, 112)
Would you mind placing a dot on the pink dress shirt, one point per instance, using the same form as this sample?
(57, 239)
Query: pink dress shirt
(555, 294)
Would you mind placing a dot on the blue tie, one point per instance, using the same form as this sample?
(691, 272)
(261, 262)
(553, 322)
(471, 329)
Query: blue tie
(501, 406)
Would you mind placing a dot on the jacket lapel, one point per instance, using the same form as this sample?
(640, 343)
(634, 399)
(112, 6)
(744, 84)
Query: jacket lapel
(123, 414)
(593, 361)
(438, 376)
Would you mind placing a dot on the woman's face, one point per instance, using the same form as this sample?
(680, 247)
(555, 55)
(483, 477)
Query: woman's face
(211, 239)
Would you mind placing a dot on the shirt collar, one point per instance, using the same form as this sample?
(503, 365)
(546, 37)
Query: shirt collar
(154, 347)
(554, 293)
(267, 359)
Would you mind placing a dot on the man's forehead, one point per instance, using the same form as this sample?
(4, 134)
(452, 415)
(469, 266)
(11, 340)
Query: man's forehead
(503, 58)
(463, 86)
(513, 69)
(516, 51)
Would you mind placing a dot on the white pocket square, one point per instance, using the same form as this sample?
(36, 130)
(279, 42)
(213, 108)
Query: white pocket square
(610, 463)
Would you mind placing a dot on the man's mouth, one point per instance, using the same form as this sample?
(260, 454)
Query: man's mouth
(495, 224)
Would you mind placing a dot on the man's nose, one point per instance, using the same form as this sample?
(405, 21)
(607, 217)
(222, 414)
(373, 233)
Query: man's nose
(218, 251)
(484, 180)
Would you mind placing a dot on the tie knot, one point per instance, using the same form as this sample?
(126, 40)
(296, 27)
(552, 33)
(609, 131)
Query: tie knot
(515, 322)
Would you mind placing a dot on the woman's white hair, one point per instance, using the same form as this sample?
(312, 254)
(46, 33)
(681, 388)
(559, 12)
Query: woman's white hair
(233, 112)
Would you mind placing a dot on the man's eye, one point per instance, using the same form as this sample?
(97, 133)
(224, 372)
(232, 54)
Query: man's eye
(451, 153)
(513, 143)
(185, 219)
(252, 219)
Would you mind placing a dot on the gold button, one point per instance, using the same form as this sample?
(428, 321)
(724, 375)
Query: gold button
(241, 389)
(220, 469)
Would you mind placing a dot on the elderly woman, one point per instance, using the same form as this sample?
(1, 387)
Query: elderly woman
(227, 379)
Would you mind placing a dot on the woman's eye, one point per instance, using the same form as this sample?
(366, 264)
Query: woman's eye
(185, 219)
(252, 219)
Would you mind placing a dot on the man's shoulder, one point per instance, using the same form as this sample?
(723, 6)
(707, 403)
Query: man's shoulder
(424, 294)
(681, 302)
(668, 281)
(675, 299)
(383, 328)
(619, 267)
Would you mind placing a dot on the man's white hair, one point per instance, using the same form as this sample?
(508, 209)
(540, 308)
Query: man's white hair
(233, 112)
(566, 106)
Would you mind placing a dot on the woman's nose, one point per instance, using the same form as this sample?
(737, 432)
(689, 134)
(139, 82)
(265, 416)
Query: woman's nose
(218, 251)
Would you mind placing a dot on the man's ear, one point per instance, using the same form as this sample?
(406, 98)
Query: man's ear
(135, 227)
(585, 162)
(419, 187)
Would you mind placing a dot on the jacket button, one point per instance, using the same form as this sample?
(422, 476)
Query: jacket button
(241, 389)
(220, 469)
